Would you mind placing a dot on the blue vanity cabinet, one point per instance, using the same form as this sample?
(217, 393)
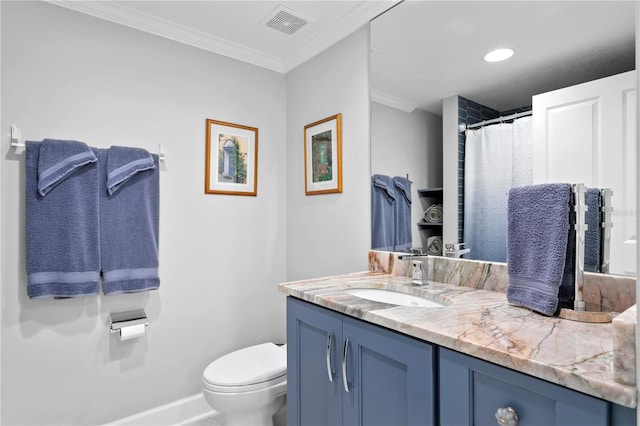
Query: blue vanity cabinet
(389, 376)
(314, 337)
(472, 390)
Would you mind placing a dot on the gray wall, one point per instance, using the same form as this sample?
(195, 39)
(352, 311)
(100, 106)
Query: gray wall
(330, 234)
(67, 75)
(450, 174)
(407, 143)
(105, 84)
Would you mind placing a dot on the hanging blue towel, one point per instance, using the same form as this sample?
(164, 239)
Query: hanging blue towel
(62, 237)
(383, 197)
(129, 220)
(537, 236)
(123, 163)
(567, 290)
(402, 239)
(592, 236)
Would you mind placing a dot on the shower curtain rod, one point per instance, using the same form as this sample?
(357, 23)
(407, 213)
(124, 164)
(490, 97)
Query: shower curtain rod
(463, 127)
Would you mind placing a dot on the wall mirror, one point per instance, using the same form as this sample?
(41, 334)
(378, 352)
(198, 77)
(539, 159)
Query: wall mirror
(425, 52)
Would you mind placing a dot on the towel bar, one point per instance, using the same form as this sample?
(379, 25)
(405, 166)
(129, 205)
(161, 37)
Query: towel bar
(16, 143)
(15, 137)
(606, 224)
(579, 226)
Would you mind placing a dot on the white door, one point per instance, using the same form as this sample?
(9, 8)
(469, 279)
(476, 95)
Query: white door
(586, 134)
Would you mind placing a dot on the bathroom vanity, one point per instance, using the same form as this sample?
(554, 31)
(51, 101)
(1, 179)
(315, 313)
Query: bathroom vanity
(356, 361)
(341, 370)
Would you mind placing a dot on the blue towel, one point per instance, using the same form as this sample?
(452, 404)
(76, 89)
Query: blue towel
(129, 220)
(567, 290)
(383, 197)
(62, 237)
(58, 159)
(402, 239)
(592, 236)
(123, 163)
(537, 236)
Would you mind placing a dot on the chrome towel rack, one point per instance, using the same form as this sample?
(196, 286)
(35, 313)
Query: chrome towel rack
(606, 223)
(580, 227)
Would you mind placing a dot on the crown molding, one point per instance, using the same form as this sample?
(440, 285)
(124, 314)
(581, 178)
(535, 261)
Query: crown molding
(392, 101)
(358, 17)
(133, 18)
(121, 14)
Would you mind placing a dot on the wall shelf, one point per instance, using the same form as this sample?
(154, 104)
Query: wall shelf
(429, 197)
(425, 224)
(430, 192)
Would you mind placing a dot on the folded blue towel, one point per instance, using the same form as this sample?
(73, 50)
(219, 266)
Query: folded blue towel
(62, 237)
(58, 159)
(592, 236)
(129, 220)
(383, 197)
(537, 236)
(123, 163)
(403, 238)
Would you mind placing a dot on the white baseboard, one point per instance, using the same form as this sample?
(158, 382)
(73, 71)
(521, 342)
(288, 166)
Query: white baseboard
(193, 410)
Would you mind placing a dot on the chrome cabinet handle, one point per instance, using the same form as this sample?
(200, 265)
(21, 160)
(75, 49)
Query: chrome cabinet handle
(507, 417)
(329, 346)
(345, 350)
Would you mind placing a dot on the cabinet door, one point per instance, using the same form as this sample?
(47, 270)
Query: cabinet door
(312, 397)
(390, 377)
(471, 391)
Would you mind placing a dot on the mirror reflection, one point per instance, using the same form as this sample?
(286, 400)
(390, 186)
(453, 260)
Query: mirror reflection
(428, 76)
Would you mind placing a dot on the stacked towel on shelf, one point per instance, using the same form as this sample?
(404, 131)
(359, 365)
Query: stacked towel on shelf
(383, 198)
(434, 245)
(538, 232)
(402, 206)
(433, 214)
(61, 219)
(129, 221)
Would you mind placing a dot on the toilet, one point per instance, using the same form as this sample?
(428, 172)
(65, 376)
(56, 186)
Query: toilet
(247, 386)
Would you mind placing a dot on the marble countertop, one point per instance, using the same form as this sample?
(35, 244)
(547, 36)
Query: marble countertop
(482, 324)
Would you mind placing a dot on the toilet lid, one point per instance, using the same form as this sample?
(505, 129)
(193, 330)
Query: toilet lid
(255, 364)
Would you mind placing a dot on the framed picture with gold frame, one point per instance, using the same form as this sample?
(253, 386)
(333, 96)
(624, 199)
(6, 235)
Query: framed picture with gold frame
(231, 162)
(323, 156)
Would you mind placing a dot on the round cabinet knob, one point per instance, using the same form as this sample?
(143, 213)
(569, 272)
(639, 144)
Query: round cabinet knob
(507, 417)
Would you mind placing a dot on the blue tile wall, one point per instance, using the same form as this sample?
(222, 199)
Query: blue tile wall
(470, 112)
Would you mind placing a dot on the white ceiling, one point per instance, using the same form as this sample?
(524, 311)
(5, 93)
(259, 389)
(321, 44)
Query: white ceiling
(422, 51)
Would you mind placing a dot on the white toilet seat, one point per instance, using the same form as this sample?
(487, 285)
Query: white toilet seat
(243, 388)
(245, 370)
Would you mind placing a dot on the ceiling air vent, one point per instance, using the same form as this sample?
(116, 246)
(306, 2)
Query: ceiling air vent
(285, 20)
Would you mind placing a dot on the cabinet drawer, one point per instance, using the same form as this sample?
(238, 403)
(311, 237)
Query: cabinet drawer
(471, 391)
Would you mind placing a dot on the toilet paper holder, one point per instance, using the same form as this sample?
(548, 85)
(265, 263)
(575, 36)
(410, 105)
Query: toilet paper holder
(119, 320)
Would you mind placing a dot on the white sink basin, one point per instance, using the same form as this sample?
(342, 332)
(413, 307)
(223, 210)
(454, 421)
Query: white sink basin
(393, 297)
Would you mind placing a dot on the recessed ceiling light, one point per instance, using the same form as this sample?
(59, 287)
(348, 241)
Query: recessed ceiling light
(498, 55)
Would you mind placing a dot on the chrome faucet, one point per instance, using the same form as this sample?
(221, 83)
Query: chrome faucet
(419, 275)
(455, 250)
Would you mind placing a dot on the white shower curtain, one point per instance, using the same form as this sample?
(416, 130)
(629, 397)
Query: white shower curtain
(497, 158)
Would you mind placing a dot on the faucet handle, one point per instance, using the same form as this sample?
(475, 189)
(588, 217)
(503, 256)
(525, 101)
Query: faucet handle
(455, 250)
